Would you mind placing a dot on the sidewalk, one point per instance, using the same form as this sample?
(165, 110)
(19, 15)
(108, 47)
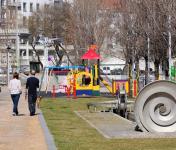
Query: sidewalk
(21, 132)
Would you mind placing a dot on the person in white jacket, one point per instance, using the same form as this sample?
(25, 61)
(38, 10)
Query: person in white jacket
(15, 91)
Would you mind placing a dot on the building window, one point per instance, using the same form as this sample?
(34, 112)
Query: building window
(3, 3)
(30, 52)
(24, 7)
(22, 52)
(31, 7)
(19, 7)
(57, 3)
(37, 7)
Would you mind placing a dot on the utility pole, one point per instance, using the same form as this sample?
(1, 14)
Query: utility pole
(148, 55)
(170, 48)
(8, 65)
(17, 38)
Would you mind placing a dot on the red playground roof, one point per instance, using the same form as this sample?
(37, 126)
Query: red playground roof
(90, 54)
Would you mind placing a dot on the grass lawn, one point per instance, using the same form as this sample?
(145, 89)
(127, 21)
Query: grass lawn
(72, 133)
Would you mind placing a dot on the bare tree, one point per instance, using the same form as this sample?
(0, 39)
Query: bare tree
(149, 20)
(90, 24)
(52, 23)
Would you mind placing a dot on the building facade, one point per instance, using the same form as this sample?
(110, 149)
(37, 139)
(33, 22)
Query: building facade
(14, 32)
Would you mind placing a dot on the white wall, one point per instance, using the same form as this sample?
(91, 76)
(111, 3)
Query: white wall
(34, 2)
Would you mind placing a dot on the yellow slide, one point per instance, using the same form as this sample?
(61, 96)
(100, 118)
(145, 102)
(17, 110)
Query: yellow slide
(106, 85)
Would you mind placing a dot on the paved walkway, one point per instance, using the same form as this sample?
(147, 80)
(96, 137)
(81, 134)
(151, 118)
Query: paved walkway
(113, 126)
(21, 132)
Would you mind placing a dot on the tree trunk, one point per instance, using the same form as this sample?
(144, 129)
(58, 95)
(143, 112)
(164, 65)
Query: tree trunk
(137, 71)
(38, 57)
(129, 77)
(146, 71)
(156, 63)
(65, 52)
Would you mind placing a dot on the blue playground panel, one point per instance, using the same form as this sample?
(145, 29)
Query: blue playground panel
(84, 92)
(66, 67)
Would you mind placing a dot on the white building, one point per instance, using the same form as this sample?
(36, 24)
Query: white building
(13, 30)
(110, 64)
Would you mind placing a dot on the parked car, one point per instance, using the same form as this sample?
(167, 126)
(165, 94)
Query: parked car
(117, 71)
(106, 70)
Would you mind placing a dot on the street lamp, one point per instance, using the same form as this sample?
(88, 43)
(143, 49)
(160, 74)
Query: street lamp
(170, 47)
(17, 38)
(8, 65)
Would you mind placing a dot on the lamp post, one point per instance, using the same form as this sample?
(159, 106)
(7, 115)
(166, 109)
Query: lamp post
(8, 65)
(148, 55)
(170, 46)
(17, 36)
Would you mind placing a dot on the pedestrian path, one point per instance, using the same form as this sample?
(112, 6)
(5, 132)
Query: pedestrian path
(21, 132)
(113, 126)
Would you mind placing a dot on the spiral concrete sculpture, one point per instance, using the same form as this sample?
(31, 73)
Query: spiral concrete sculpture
(155, 107)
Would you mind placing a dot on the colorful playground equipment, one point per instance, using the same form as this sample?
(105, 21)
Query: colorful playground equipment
(81, 80)
(85, 82)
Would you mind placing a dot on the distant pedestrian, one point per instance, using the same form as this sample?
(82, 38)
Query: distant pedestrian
(15, 91)
(31, 91)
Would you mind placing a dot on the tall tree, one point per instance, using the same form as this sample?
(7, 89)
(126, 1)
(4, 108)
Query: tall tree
(51, 22)
(90, 24)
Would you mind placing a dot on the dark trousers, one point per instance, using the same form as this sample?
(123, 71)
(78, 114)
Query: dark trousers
(32, 103)
(15, 99)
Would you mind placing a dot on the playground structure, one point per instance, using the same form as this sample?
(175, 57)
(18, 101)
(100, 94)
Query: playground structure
(83, 82)
(80, 80)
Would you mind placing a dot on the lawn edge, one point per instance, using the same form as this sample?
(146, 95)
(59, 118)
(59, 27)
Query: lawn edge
(48, 136)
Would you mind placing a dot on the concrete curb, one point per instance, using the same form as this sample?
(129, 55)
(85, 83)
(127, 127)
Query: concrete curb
(48, 136)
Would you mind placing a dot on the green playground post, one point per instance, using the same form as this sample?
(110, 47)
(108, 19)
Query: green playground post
(173, 73)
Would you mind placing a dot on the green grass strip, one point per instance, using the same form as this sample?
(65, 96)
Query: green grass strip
(72, 133)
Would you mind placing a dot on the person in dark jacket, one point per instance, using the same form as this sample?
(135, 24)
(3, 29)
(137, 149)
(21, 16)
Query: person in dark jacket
(31, 85)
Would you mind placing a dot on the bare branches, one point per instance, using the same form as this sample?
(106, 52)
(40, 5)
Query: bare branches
(90, 23)
(148, 19)
(38, 57)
